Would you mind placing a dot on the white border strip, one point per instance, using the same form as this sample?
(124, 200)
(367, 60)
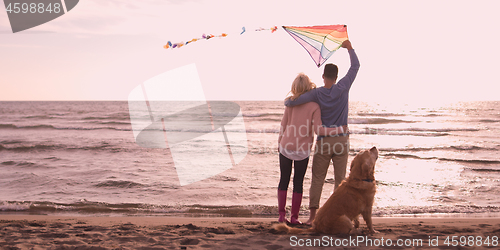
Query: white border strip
(64, 6)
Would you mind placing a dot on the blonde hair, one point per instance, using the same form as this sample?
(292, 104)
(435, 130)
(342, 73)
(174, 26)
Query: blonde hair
(300, 85)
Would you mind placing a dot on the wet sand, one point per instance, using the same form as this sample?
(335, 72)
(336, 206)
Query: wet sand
(80, 232)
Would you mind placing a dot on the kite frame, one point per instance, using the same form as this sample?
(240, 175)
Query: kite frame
(295, 37)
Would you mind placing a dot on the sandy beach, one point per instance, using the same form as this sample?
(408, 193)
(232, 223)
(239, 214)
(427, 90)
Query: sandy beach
(70, 232)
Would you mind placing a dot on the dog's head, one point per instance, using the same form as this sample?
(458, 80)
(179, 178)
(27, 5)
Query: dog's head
(363, 165)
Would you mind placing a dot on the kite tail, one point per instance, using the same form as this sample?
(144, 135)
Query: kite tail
(207, 37)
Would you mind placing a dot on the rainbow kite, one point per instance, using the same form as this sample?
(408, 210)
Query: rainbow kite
(319, 41)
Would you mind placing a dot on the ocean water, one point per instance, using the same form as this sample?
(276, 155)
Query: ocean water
(82, 158)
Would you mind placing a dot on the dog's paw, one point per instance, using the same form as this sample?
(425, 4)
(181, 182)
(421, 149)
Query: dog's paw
(374, 231)
(356, 223)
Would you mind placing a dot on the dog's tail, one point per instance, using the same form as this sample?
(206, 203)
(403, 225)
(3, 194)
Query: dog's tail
(282, 227)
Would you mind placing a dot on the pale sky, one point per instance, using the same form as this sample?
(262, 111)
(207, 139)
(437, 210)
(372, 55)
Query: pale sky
(411, 51)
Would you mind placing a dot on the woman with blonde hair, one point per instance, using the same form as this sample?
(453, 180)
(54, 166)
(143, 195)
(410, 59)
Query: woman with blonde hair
(298, 125)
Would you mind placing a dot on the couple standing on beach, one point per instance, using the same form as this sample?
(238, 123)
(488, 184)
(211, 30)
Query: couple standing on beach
(312, 110)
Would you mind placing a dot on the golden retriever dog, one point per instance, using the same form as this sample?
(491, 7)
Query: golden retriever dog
(354, 197)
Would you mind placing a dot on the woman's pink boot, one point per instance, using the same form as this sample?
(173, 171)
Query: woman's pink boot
(296, 201)
(281, 205)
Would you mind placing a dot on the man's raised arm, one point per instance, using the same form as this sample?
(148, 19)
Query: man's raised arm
(348, 79)
(306, 97)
